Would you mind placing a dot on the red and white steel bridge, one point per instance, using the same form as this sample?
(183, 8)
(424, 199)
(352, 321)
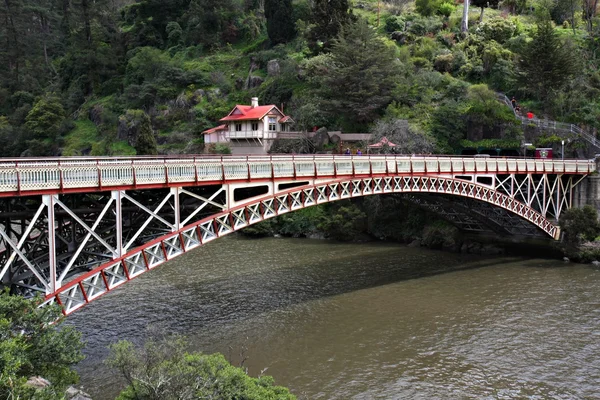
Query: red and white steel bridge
(73, 229)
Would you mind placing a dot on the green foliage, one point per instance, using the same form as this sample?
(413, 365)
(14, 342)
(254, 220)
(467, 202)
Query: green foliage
(84, 136)
(220, 148)
(280, 25)
(45, 118)
(547, 64)
(440, 235)
(492, 144)
(428, 8)
(138, 122)
(345, 221)
(362, 74)
(32, 343)
(498, 29)
(579, 225)
(164, 370)
(328, 17)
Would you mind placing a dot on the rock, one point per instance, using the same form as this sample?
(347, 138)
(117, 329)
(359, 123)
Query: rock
(566, 259)
(321, 138)
(415, 243)
(335, 139)
(77, 394)
(255, 81)
(95, 114)
(198, 96)
(273, 68)
(239, 83)
(37, 382)
(596, 263)
(315, 235)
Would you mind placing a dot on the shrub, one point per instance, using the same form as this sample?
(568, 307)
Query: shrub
(498, 29)
(446, 9)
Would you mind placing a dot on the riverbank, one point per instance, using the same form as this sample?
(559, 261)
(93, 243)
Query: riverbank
(395, 220)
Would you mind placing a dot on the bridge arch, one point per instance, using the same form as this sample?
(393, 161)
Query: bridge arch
(106, 277)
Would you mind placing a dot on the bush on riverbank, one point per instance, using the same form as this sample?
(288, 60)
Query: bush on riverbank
(580, 228)
(163, 369)
(36, 353)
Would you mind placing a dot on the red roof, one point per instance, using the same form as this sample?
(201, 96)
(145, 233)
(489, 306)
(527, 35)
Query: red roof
(215, 129)
(244, 113)
(285, 119)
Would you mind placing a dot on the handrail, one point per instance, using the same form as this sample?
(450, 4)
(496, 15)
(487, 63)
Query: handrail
(546, 123)
(57, 175)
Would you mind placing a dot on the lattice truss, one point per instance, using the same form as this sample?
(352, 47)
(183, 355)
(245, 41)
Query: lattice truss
(475, 216)
(99, 241)
(546, 193)
(90, 230)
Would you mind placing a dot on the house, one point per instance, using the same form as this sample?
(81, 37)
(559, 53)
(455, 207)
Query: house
(250, 129)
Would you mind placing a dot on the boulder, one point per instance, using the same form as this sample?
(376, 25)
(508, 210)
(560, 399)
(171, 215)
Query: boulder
(95, 114)
(254, 81)
(73, 393)
(273, 68)
(415, 243)
(37, 382)
(566, 259)
(335, 139)
(321, 138)
(596, 263)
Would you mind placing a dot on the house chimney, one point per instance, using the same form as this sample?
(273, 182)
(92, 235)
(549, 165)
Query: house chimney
(254, 102)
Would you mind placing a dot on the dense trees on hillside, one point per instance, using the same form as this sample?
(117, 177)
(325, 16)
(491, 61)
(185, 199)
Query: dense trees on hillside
(71, 70)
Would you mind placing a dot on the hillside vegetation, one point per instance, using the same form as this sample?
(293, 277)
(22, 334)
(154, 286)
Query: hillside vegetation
(113, 77)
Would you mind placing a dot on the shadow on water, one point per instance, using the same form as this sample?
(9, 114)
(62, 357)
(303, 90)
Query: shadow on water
(247, 294)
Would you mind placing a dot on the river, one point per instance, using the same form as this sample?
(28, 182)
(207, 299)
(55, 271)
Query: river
(365, 321)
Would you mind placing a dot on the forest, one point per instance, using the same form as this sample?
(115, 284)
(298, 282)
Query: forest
(123, 77)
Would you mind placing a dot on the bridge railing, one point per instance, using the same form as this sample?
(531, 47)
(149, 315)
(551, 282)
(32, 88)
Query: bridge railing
(78, 174)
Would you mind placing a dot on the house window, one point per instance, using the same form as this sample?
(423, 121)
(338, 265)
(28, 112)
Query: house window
(255, 126)
(238, 127)
(272, 123)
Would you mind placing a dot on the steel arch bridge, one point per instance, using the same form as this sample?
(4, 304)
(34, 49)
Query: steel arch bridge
(74, 229)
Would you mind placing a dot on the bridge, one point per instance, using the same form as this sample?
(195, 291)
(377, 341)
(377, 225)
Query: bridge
(73, 229)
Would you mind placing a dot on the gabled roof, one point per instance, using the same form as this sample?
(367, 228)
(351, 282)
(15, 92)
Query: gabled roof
(285, 119)
(245, 113)
(215, 129)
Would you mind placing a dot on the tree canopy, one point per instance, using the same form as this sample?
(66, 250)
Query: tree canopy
(164, 370)
(32, 343)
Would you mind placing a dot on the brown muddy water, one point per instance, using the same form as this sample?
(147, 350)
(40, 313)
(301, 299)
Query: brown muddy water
(365, 321)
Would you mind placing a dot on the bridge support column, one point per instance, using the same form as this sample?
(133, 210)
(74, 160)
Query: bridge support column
(117, 197)
(49, 201)
(177, 209)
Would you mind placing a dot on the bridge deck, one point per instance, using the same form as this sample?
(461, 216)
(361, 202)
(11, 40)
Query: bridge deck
(67, 175)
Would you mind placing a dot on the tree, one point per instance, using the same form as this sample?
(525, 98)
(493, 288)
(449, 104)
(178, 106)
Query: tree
(483, 4)
(579, 225)
(589, 12)
(464, 26)
(280, 25)
(163, 370)
(32, 343)
(146, 142)
(45, 118)
(362, 75)
(328, 17)
(547, 63)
